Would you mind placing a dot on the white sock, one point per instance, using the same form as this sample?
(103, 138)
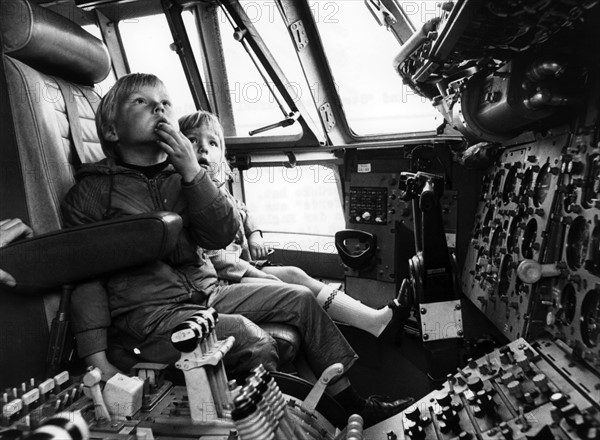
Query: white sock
(345, 309)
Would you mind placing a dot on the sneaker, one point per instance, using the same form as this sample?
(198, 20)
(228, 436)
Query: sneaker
(379, 408)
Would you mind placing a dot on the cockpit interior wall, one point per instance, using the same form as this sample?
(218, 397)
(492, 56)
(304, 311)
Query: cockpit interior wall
(524, 81)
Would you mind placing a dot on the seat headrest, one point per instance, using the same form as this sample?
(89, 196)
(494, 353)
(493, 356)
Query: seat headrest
(52, 44)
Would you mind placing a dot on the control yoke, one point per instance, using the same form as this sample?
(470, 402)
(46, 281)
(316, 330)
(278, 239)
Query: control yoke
(355, 259)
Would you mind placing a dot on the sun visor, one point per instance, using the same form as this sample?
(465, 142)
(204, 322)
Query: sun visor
(52, 44)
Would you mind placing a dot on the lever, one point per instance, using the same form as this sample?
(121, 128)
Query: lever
(91, 380)
(292, 117)
(330, 373)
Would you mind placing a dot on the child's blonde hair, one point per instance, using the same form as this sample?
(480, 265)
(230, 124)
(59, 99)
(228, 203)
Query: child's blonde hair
(107, 110)
(202, 118)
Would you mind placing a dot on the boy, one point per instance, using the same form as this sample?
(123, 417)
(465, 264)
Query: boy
(232, 263)
(152, 166)
(136, 178)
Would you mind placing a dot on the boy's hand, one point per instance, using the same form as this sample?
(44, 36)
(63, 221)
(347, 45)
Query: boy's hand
(100, 360)
(254, 273)
(10, 229)
(257, 247)
(179, 149)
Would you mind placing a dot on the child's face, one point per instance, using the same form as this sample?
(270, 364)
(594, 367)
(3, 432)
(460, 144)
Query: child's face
(139, 114)
(207, 145)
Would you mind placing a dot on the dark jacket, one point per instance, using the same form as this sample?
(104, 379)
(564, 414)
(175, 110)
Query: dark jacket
(106, 190)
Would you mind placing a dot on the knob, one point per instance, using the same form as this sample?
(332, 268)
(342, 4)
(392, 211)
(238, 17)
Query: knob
(559, 400)
(507, 378)
(475, 384)
(445, 400)
(569, 410)
(413, 413)
(478, 412)
(514, 388)
(505, 359)
(530, 271)
(524, 364)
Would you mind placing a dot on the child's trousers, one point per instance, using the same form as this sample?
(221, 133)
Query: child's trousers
(322, 342)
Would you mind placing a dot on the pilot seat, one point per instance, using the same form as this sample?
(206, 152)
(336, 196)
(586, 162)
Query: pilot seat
(47, 106)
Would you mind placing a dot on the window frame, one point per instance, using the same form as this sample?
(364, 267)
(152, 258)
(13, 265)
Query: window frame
(313, 60)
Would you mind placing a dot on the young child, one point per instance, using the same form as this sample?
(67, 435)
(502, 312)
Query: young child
(205, 132)
(152, 166)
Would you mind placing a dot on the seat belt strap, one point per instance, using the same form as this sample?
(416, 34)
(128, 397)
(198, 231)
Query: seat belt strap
(73, 117)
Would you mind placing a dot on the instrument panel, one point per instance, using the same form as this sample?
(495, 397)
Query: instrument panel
(520, 391)
(540, 390)
(374, 204)
(516, 76)
(540, 203)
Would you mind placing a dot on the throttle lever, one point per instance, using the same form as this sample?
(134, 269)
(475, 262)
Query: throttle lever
(330, 373)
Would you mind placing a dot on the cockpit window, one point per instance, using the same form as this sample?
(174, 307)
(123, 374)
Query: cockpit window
(374, 98)
(301, 200)
(147, 45)
(253, 101)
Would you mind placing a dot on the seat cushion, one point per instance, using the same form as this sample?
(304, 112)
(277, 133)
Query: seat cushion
(288, 342)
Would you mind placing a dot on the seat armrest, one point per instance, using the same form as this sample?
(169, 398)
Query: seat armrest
(83, 252)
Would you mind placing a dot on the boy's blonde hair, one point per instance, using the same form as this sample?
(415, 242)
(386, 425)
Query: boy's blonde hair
(202, 118)
(107, 110)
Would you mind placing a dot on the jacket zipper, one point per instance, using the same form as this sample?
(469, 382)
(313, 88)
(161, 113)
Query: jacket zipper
(158, 204)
